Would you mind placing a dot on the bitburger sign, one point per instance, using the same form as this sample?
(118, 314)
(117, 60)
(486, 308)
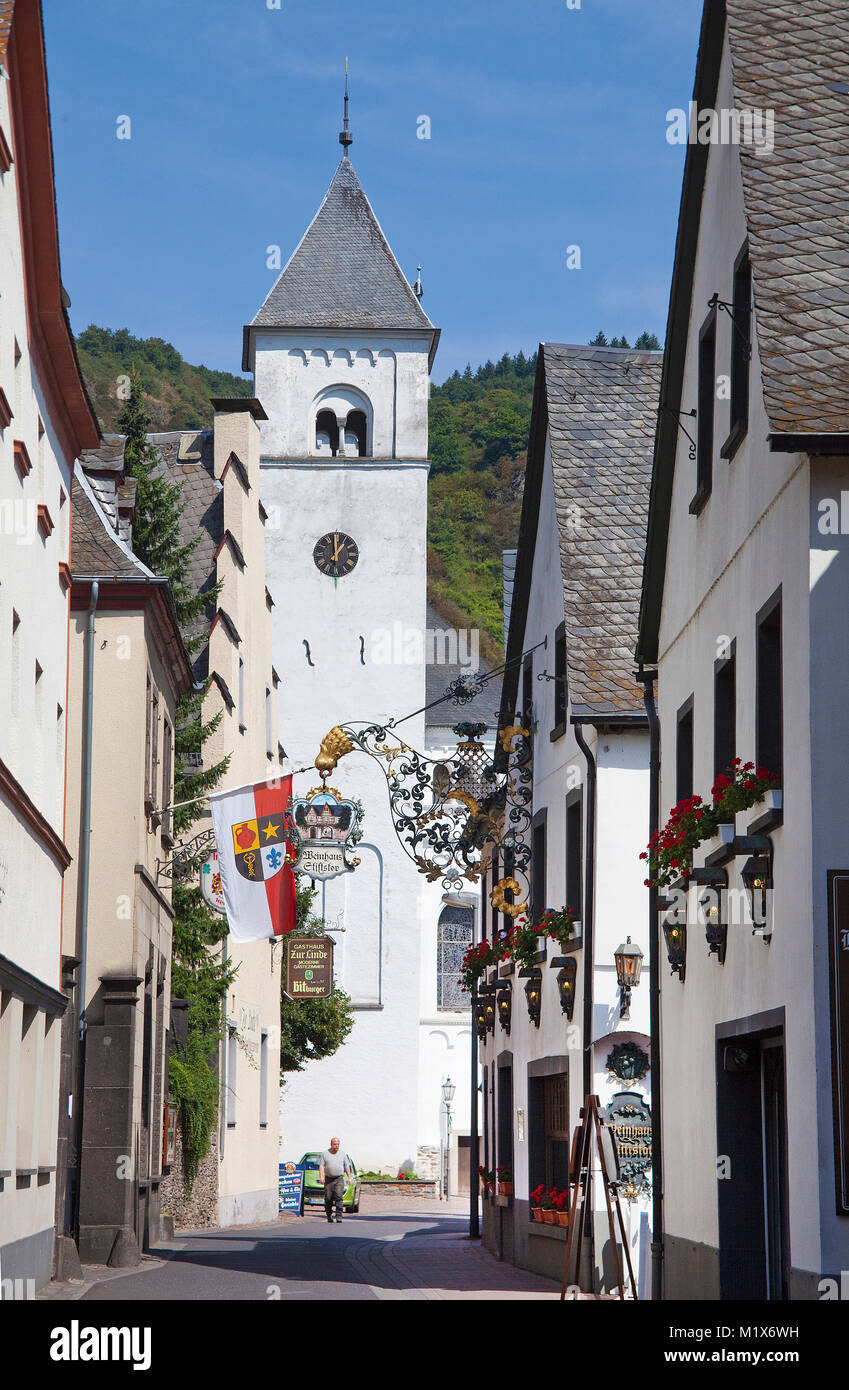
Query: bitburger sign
(309, 967)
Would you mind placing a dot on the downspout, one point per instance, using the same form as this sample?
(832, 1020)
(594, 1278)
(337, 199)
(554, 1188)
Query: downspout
(85, 838)
(589, 911)
(648, 678)
(84, 877)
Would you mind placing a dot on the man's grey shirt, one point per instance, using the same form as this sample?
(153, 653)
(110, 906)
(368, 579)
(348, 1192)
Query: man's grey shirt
(334, 1164)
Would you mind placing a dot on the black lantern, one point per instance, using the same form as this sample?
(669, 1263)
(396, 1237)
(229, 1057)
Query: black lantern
(629, 962)
(675, 935)
(480, 1018)
(504, 1001)
(756, 874)
(533, 994)
(489, 1011)
(566, 979)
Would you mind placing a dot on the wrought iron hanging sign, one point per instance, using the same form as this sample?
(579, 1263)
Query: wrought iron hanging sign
(446, 811)
(322, 823)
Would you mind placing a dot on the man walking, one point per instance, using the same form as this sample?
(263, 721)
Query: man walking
(334, 1172)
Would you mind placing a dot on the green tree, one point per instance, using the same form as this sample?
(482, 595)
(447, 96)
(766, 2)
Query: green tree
(599, 340)
(647, 342)
(311, 1028)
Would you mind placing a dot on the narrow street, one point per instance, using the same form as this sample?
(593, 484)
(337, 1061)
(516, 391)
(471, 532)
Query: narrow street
(394, 1251)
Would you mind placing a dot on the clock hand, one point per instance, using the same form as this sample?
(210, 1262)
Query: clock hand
(336, 547)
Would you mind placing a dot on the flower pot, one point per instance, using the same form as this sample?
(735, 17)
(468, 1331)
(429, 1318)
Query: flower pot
(505, 1189)
(563, 1218)
(537, 1213)
(550, 1218)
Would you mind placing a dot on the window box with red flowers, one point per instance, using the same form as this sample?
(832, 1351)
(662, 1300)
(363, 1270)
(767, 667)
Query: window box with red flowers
(504, 1178)
(692, 822)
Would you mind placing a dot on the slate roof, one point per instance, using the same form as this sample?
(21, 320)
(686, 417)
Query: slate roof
(95, 548)
(439, 675)
(602, 408)
(784, 56)
(343, 273)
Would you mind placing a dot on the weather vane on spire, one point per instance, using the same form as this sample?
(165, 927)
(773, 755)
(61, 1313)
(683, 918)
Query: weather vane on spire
(345, 136)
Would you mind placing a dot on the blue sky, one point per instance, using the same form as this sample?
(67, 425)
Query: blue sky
(548, 129)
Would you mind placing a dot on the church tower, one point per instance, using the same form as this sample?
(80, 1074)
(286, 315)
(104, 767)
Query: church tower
(341, 353)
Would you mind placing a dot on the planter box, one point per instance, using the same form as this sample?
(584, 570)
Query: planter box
(720, 847)
(768, 813)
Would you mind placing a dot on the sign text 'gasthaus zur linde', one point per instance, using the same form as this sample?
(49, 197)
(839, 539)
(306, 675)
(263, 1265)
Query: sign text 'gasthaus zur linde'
(309, 967)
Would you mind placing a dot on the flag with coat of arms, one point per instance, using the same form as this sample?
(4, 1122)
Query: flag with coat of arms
(256, 878)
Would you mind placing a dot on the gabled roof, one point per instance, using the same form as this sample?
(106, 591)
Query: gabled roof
(97, 551)
(343, 273)
(787, 59)
(598, 406)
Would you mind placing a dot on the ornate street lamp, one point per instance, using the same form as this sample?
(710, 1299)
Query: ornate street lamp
(448, 1089)
(629, 961)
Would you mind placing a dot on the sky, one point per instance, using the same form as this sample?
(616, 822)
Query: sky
(547, 131)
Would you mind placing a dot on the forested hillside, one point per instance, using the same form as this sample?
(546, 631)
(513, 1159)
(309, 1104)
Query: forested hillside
(479, 423)
(177, 394)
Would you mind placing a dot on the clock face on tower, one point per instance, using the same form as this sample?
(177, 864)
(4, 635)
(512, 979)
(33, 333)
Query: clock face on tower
(336, 554)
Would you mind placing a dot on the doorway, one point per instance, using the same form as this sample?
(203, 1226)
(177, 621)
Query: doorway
(464, 1167)
(754, 1245)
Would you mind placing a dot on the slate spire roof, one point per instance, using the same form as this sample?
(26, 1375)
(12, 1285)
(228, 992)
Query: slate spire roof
(343, 273)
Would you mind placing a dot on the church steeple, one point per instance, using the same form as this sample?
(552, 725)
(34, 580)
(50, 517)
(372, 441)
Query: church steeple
(345, 136)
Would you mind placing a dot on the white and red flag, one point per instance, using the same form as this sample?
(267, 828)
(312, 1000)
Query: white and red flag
(258, 882)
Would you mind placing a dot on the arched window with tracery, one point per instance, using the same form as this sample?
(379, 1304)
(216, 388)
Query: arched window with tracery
(453, 937)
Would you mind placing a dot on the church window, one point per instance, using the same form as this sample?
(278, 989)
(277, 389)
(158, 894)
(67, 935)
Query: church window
(326, 433)
(355, 432)
(454, 936)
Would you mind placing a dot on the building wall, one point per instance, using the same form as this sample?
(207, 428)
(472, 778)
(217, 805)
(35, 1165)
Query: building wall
(368, 1092)
(32, 747)
(556, 1046)
(752, 536)
(295, 370)
(128, 953)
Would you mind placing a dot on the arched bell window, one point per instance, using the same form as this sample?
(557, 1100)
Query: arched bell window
(326, 433)
(355, 433)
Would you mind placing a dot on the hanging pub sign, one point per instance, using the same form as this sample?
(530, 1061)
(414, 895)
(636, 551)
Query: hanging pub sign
(210, 884)
(630, 1119)
(309, 967)
(324, 822)
(838, 972)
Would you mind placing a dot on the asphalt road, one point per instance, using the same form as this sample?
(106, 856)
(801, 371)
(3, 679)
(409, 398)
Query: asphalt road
(297, 1258)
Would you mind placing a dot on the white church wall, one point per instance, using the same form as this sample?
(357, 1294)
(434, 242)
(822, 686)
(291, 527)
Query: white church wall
(295, 370)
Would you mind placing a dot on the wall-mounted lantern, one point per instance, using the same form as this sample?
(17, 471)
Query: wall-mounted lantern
(533, 993)
(566, 979)
(480, 1018)
(675, 936)
(629, 963)
(504, 1003)
(756, 874)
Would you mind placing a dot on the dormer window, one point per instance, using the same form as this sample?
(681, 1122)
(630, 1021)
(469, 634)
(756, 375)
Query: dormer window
(326, 434)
